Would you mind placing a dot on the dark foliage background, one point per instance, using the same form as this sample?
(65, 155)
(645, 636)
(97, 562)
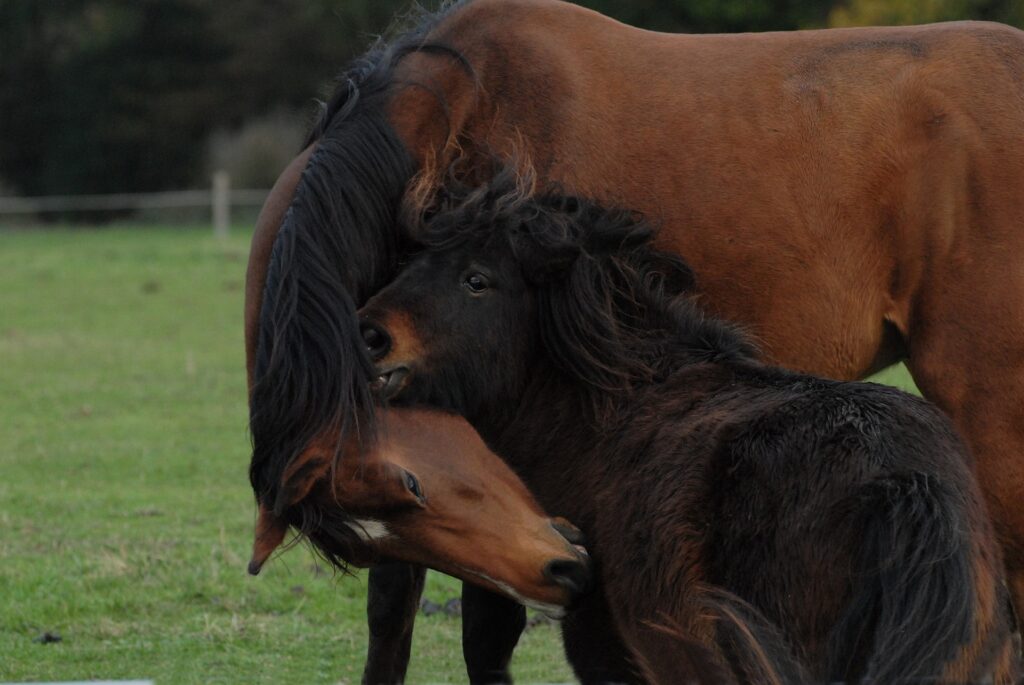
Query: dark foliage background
(132, 95)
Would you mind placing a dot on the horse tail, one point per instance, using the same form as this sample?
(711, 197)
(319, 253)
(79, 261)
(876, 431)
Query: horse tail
(913, 603)
(339, 242)
(754, 648)
(746, 647)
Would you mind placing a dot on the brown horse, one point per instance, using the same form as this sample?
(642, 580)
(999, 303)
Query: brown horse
(867, 183)
(846, 514)
(428, 491)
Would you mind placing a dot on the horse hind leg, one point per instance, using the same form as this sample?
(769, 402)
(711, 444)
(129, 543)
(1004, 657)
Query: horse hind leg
(393, 598)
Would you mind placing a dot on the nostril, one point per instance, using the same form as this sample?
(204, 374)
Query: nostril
(572, 574)
(376, 339)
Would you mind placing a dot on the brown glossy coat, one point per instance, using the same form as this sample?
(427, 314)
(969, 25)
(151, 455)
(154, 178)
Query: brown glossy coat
(852, 196)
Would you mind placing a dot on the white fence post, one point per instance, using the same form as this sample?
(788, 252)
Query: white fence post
(221, 204)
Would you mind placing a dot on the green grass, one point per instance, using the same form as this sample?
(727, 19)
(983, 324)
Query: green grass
(125, 509)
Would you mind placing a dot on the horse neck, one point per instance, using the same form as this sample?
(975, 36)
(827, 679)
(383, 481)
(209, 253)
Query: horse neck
(536, 423)
(570, 453)
(691, 337)
(551, 441)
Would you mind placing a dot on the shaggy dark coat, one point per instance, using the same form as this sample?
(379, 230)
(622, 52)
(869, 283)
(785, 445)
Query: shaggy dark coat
(761, 513)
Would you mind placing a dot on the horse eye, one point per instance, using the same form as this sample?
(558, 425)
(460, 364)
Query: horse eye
(477, 283)
(413, 485)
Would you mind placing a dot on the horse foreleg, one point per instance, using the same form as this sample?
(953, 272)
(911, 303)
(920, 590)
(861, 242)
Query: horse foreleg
(491, 626)
(392, 601)
(594, 646)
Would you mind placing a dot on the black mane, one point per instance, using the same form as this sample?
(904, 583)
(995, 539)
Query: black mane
(614, 310)
(339, 242)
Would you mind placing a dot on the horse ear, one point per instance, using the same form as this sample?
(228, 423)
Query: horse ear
(594, 318)
(301, 475)
(298, 479)
(554, 234)
(587, 330)
(626, 235)
(270, 532)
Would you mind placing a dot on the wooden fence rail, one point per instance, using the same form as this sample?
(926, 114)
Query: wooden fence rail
(220, 198)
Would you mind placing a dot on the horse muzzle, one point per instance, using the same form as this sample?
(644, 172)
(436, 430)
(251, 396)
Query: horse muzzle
(574, 574)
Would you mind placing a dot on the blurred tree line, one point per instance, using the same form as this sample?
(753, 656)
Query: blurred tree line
(132, 95)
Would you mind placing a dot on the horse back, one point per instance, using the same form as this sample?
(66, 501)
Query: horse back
(851, 160)
(846, 514)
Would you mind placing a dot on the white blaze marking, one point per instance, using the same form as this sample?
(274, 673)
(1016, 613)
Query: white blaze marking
(369, 530)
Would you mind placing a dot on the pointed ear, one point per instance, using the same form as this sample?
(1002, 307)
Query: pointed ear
(270, 532)
(592, 315)
(296, 482)
(551, 237)
(563, 228)
(584, 328)
(301, 475)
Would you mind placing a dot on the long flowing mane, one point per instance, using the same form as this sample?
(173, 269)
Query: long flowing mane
(338, 243)
(614, 310)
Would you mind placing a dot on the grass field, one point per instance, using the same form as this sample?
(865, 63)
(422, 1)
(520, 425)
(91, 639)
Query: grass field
(125, 509)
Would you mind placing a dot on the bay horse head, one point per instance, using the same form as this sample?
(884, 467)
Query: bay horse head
(428, 491)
